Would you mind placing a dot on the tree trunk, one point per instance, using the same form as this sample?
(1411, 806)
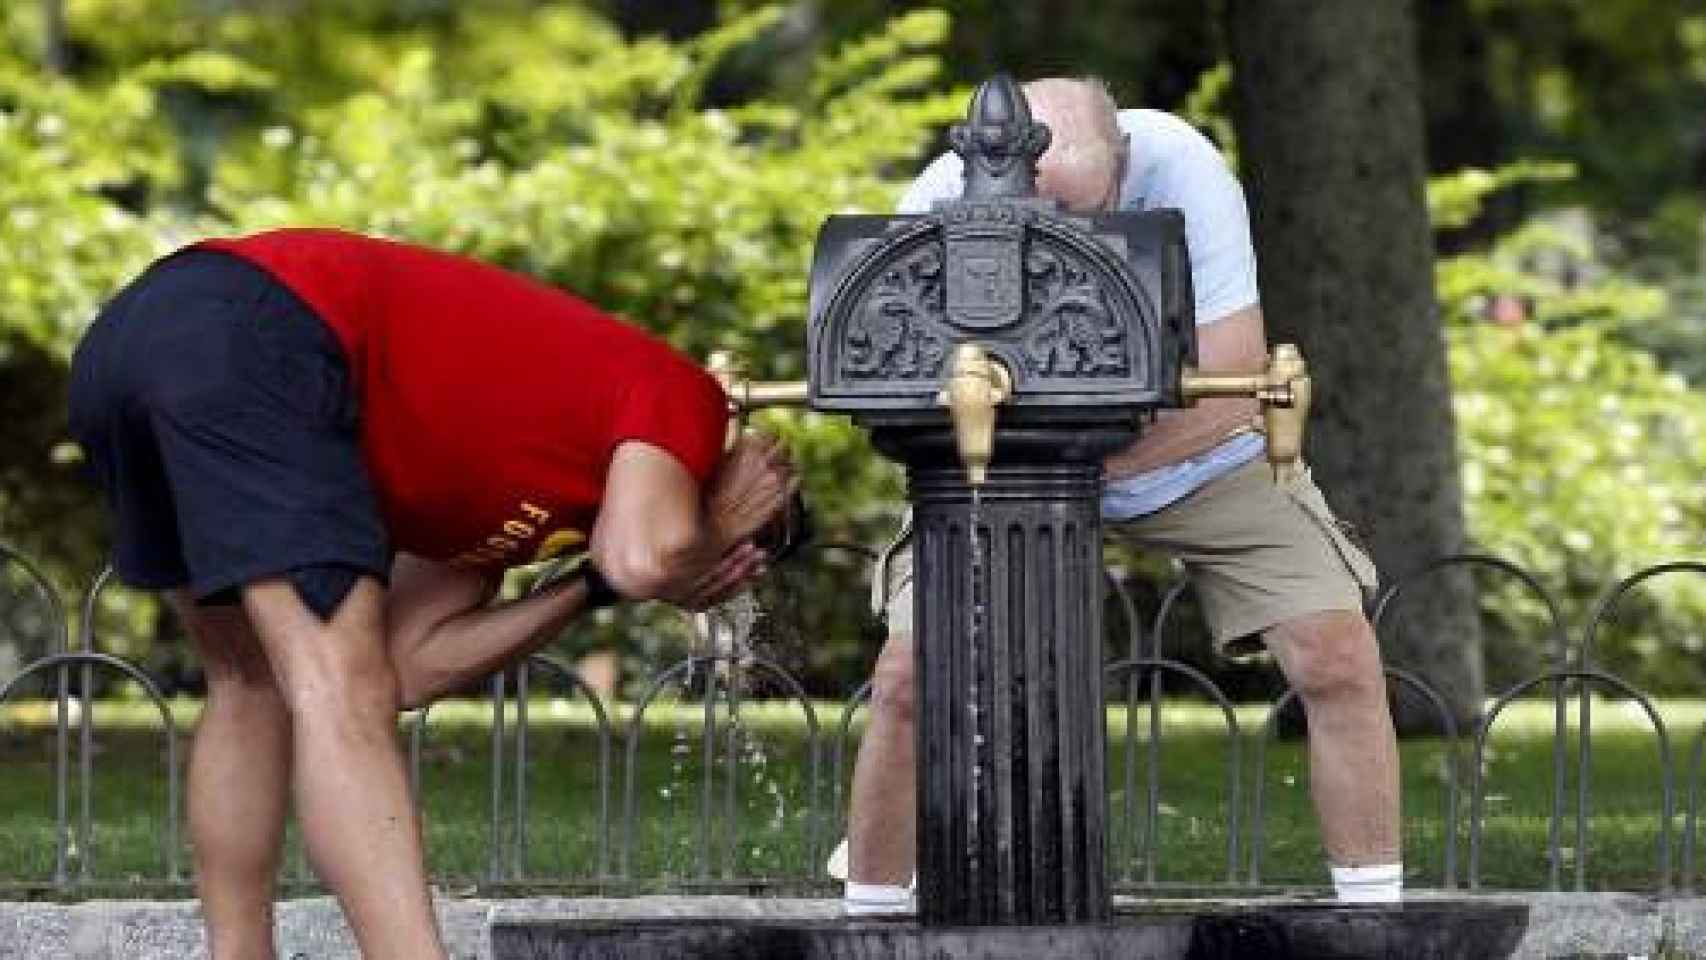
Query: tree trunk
(1465, 125)
(53, 36)
(1330, 131)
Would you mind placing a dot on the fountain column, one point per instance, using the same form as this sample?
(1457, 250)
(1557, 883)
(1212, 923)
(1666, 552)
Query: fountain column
(1000, 348)
(1011, 739)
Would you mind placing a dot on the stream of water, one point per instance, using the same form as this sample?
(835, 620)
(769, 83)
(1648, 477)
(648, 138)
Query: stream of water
(975, 639)
(729, 629)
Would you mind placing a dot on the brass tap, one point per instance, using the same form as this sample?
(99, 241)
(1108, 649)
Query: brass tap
(977, 384)
(1284, 390)
(746, 395)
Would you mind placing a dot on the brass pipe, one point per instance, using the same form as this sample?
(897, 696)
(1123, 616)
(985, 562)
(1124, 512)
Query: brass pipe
(755, 395)
(977, 384)
(1284, 390)
(1202, 386)
(745, 395)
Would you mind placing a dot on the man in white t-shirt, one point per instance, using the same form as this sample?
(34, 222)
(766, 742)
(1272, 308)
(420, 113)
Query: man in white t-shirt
(1269, 564)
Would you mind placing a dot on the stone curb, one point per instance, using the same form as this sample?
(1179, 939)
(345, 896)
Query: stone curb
(1561, 925)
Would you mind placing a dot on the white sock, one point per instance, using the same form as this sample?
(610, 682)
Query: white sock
(876, 898)
(837, 865)
(1382, 883)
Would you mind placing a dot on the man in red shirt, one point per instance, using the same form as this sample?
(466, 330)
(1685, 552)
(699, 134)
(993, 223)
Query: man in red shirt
(327, 448)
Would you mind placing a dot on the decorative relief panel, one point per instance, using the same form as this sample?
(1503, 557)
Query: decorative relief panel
(893, 333)
(1070, 329)
(1065, 325)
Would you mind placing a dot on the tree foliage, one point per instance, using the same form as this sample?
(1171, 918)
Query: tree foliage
(534, 136)
(540, 136)
(65, 241)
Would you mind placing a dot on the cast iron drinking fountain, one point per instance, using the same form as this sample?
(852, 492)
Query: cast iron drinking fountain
(1000, 348)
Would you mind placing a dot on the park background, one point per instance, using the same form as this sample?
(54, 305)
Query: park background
(1484, 220)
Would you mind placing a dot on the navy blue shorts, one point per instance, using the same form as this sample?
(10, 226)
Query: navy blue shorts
(218, 415)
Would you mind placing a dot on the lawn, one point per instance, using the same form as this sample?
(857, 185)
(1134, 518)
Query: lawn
(680, 842)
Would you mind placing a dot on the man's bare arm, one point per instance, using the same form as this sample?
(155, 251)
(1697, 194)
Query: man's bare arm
(443, 634)
(658, 536)
(1236, 342)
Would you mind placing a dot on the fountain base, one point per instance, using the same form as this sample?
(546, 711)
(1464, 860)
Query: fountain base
(1427, 930)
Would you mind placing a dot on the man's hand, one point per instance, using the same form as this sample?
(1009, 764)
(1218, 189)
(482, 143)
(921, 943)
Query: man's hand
(751, 489)
(740, 566)
(660, 535)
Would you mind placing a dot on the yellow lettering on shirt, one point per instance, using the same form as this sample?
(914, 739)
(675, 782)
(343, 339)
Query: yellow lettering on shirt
(511, 539)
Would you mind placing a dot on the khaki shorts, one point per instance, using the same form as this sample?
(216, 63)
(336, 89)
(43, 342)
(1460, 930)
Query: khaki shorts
(1258, 555)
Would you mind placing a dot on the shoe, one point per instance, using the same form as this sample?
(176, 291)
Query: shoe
(877, 900)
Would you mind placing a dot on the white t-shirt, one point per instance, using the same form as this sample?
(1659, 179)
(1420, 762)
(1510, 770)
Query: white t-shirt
(1171, 166)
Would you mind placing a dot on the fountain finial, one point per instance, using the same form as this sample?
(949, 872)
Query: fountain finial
(999, 142)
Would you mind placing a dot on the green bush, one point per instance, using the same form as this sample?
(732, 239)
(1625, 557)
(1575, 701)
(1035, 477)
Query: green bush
(534, 136)
(1582, 456)
(538, 137)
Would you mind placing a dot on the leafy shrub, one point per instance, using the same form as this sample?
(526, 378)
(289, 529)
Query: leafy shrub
(1581, 454)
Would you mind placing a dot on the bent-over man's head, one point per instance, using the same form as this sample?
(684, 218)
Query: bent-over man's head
(1086, 158)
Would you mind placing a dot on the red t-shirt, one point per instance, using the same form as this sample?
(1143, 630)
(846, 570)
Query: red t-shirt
(490, 403)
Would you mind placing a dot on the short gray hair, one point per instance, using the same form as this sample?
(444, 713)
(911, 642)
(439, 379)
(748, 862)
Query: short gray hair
(1090, 143)
(1107, 111)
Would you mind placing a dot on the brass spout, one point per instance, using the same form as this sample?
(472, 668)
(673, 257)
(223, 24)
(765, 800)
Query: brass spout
(1284, 389)
(977, 384)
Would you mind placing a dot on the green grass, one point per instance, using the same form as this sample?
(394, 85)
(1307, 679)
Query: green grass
(766, 836)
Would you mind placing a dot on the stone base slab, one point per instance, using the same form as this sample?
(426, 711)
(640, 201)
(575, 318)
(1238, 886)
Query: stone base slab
(1560, 925)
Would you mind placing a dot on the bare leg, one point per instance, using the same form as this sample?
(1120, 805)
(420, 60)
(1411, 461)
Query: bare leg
(239, 783)
(1332, 661)
(882, 823)
(352, 794)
